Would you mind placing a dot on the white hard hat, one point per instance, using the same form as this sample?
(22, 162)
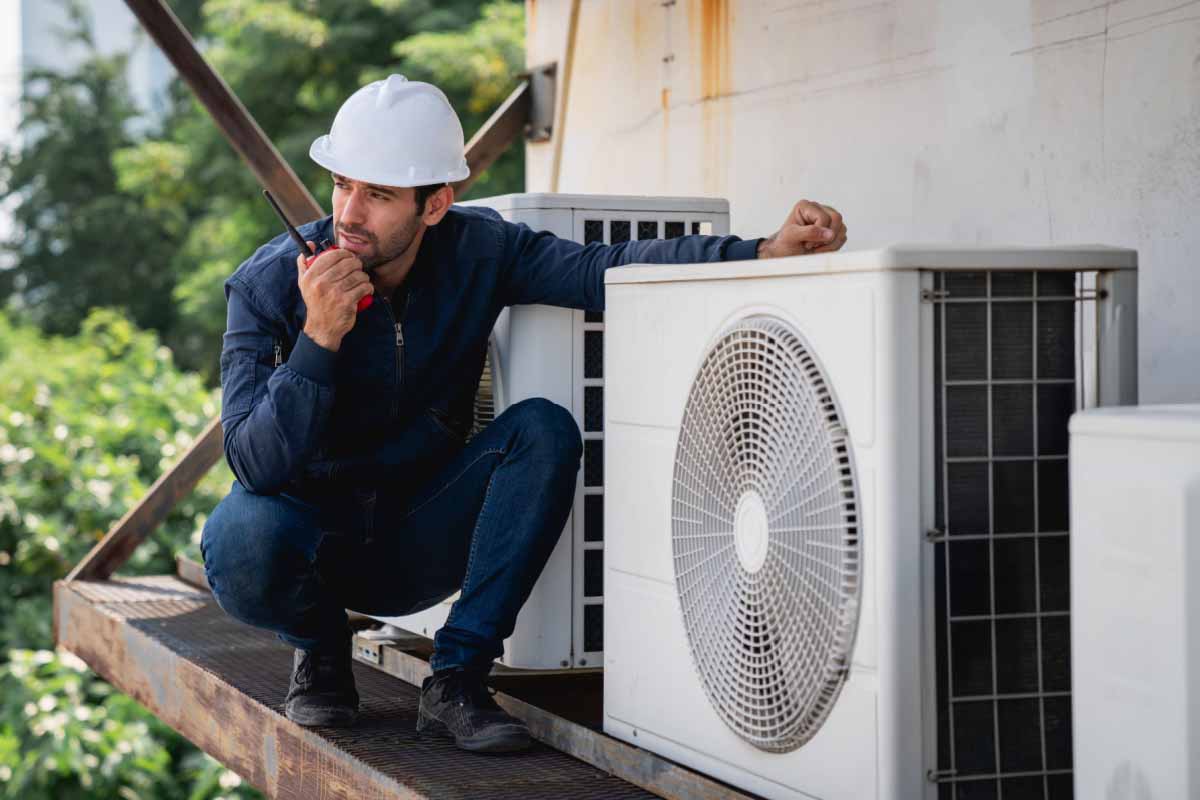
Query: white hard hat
(395, 132)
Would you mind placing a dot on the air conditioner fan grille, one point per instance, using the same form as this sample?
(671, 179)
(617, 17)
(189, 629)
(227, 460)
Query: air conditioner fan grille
(765, 534)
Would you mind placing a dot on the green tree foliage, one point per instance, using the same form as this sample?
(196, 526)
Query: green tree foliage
(111, 312)
(87, 423)
(183, 201)
(81, 240)
(67, 735)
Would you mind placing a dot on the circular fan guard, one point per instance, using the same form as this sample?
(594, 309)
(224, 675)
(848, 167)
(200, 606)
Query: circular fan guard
(765, 535)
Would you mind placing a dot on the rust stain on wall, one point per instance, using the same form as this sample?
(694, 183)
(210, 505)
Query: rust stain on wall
(710, 25)
(714, 46)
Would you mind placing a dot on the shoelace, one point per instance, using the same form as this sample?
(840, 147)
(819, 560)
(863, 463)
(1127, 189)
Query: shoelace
(476, 690)
(313, 666)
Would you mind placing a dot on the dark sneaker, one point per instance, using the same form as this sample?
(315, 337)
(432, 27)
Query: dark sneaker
(460, 704)
(322, 691)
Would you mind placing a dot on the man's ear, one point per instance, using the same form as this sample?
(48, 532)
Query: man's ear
(437, 204)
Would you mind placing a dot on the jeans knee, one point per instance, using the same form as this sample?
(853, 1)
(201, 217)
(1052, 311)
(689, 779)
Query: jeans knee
(251, 556)
(550, 428)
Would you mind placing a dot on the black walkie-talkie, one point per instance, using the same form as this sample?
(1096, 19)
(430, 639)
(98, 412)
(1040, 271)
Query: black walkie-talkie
(323, 245)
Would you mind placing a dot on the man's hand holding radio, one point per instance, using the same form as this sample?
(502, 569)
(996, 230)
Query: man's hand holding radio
(332, 285)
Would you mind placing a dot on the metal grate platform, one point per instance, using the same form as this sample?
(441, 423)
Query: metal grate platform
(222, 685)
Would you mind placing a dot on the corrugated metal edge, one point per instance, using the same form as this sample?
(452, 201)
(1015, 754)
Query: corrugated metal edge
(254, 741)
(633, 764)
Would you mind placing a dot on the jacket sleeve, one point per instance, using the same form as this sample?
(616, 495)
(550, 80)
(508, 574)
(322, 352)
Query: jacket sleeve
(272, 416)
(542, 268)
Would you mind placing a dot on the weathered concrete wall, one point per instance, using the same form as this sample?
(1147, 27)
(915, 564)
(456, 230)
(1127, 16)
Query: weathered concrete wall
(1022, 121)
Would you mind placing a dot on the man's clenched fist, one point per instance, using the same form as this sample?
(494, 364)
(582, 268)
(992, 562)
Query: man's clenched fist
(331, 287)
(809, 228)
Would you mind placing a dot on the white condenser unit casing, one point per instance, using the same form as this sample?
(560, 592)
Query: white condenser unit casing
(829, 481)
(1135, 571)
(557, 353)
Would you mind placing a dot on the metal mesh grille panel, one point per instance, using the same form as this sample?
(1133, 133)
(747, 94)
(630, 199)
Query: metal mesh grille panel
(593, 462)
(485, 398)
(593, 518)
(614, 228)
(593, 573)
(593, 354)
(1004, 372)
(593, 628)
(765, 535)
(253, 662)
(593, 408)
(593, 231)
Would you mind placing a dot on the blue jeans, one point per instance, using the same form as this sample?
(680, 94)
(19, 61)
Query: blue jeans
(484, 522)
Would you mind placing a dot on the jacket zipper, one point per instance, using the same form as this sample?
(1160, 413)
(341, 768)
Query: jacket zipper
(398, 325)
(400, 346)
(278, 353)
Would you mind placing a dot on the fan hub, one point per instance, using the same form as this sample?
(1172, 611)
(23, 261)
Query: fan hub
(750, 531)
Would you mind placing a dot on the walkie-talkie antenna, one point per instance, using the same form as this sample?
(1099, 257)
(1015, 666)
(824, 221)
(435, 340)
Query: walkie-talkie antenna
(291, 229)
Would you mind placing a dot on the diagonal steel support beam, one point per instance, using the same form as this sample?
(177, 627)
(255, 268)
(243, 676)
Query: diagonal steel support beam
(534, 95)
(131, 530)
(490, 141)
(227, 111)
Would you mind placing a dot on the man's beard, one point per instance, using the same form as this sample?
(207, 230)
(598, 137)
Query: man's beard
(392, 247)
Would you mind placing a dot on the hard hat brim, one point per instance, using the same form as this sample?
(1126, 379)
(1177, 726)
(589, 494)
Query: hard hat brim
(321, 153)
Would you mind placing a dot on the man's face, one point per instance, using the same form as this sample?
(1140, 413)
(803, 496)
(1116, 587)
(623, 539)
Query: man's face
(376, 223)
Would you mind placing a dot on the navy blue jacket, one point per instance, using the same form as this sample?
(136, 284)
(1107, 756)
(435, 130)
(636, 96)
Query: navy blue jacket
(296, 415)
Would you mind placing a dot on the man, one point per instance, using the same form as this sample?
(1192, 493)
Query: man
(356, 487)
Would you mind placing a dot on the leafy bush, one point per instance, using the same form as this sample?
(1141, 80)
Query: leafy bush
(64, 734)
(87, 423)
(147, 217)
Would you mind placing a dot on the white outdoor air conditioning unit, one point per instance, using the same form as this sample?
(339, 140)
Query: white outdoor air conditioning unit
(1135, 571)
(836, 513)
(557, 353)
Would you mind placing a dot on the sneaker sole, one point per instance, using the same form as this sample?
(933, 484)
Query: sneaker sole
(509, 739)
(323, 718)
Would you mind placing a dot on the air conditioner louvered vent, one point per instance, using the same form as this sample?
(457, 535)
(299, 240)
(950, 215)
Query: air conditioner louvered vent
(765, 534)
(485, 399)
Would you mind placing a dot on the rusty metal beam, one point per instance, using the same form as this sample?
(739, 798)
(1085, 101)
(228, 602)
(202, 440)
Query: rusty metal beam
(261, 745)
(191, 572)
(493, 138)
(174, 485)
(227, 111)
(223, 685)
(528, 109)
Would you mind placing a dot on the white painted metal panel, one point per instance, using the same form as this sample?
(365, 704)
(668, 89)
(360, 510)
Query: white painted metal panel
(1135, 569)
